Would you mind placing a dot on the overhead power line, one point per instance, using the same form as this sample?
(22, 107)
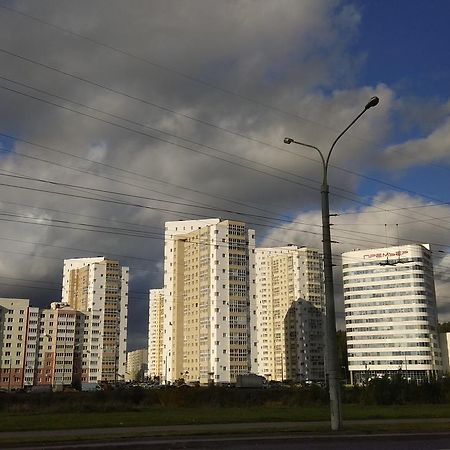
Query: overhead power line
(118, 92)
(166, 68)
(77, 249)
(231, 162)
(114, 179)
(133, 233)
(428, 205)
(94, 117)
(142, 197)
(184, 147)
(175, 71)
(145, 234)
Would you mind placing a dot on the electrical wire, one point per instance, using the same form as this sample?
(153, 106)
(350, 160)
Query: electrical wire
(176, 113)
(165, 68)
(231, 162)
(184, 147)
(174, 71)
(139, 233)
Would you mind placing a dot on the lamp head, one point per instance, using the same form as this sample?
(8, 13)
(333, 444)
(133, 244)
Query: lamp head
(288, 140)
(372, 102)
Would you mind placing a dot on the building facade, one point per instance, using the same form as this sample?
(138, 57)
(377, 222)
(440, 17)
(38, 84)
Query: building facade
(101, 284)
(54, 347)
(137, 363)
(13, 333)
(156, 365)
(290, 314)
(444, 339)
(390, 313)
(208, 298)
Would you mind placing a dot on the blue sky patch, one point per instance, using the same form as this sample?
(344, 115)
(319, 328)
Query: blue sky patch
(6, 145)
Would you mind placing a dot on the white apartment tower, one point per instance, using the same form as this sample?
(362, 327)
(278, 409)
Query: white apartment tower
(101, 285)
(156, 334)
(290, 314)
(390, 313)
(208, 300)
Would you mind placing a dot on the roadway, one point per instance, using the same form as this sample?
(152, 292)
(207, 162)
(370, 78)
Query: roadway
(410, 434)
(434, 441)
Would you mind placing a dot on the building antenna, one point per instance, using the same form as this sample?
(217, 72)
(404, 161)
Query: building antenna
(398, 242)
(387, 262)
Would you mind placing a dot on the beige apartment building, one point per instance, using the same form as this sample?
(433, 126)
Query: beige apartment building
(137, 363)
(156, 365)
(208, 298)
(290, 314)
(101, 284)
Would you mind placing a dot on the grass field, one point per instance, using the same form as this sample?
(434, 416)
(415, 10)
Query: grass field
(208, 415)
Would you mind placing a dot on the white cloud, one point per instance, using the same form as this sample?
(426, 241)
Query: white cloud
(416, 152)
(417, 220)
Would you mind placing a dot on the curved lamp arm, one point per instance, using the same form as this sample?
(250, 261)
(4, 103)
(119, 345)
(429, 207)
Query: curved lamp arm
(371, 103)
(290, 141)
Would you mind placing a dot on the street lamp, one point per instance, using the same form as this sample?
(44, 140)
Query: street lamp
(331, 347)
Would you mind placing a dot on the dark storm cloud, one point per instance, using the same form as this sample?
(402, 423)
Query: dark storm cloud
(284, 54)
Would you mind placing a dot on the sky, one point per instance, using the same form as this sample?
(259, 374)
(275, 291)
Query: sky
(118, 116)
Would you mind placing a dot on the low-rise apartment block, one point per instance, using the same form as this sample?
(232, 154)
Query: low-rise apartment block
(55, 347)
(13, 334)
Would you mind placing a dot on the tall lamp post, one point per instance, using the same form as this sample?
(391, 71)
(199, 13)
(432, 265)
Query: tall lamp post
(331, 347)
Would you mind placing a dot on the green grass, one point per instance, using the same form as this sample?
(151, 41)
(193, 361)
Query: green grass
(174, 416)
(424, 411)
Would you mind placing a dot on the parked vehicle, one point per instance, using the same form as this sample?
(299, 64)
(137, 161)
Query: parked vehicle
(251, 380)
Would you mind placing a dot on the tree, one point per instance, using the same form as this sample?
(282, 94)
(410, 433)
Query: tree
(341, 339)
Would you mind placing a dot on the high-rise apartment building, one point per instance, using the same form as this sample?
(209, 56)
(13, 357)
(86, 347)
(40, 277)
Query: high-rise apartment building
(156, 365)
(137, 364)
(290, 314)
(101, 285)
(390, 312)
(208, 299)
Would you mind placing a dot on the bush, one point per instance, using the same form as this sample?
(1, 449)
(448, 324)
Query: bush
(381, 391)
(399, 391)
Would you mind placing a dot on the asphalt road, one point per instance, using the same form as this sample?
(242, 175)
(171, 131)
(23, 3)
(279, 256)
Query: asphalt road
(435, 441)
(432, 434)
